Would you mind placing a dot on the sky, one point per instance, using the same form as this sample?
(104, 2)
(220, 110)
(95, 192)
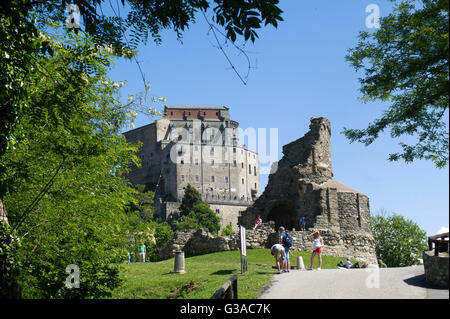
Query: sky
(298, 71)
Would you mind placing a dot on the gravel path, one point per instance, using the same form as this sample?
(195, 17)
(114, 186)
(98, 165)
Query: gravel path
(386, 283)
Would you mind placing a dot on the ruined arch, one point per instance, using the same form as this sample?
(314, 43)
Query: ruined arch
(283, 214)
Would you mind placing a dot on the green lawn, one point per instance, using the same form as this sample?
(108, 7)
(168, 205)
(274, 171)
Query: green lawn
(204, 275)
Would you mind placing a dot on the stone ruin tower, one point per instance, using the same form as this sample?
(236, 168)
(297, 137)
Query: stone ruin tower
(302, 185)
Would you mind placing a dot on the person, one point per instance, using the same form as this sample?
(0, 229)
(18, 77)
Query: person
(142, 253)
(349, 264)
(278, 251)
(303, 223)
(130, 254)
(381, 264)
(317, 249)
(258, 222)
(286, 246)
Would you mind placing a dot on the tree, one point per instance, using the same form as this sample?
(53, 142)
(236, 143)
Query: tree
(398, 241)
(200, 216)
(59, 119)
(406, 62)
(66, 196)
(21, 21)
(190, 198)
(144, 226)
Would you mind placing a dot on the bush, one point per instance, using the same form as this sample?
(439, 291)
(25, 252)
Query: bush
(227, 231)
(398, 241)
(201, 216)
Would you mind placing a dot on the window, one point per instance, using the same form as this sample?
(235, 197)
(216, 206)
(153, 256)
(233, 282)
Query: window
(212, 150)
(242, 165)
(196, 161)
(254, 170)
(212, 179)
(182, 178)
(195, 148)
(249, 169)
(196, 178)
(226, 179)
(234, 163)
(182, 161)
(255, 185)
(234, 149)
(242, 181)
(212, 162)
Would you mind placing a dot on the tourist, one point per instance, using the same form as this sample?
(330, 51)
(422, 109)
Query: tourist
(303, 223)
(258, 222)
(349, 264)
(286, 242)
(278, 251)
(317, 249)
(381, 264)
(130, 253)
(142, 253)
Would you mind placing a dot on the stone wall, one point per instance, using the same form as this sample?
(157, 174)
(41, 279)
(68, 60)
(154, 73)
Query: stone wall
(302, 186)
(197, 242)
(436, 269)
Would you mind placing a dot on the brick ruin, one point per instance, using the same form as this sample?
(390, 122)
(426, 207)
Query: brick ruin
(302, 185)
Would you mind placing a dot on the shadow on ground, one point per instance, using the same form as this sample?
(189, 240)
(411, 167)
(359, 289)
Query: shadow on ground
(420, 281)
(224, 272)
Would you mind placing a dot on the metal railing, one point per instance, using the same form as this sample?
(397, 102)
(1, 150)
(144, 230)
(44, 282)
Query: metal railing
(440, 245)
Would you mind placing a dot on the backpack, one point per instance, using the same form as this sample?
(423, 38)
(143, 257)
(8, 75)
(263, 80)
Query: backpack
(287, 241)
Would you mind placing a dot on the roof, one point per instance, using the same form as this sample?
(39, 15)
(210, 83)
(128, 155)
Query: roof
(196, 107)
(341, 188)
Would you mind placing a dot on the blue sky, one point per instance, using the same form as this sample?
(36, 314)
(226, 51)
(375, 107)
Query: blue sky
(298, 72)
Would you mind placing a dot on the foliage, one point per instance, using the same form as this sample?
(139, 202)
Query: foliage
(20, 21)
(66, 196)
(190, 198)
(146, 228)
(144, 204)
(200, 216)
(406, 62)
(398, 241)
(227, 231)
(9, 265)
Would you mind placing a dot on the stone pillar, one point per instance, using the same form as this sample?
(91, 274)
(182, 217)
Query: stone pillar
(179, 263)
(300, 264)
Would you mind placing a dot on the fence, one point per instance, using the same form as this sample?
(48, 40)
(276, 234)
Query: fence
(229, 290)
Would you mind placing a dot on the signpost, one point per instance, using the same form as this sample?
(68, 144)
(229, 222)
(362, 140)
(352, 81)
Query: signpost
(243, 249)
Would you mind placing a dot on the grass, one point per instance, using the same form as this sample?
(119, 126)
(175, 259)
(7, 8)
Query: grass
(204, 275)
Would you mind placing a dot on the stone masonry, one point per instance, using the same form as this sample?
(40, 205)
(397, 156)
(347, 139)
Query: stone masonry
(302, 185)
(197, 146)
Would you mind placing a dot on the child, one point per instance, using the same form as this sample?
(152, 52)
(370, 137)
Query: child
(317, 249)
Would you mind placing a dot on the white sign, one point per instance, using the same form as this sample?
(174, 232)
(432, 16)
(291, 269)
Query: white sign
(243, 242)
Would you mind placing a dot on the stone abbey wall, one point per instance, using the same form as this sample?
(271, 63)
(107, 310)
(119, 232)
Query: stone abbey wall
(200, 241)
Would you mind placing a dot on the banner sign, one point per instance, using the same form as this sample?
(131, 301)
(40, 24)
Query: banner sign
(243, 241)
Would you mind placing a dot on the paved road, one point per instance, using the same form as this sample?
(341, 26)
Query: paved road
(386, 283)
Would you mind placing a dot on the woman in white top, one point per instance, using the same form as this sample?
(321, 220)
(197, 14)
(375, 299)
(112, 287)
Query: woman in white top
(317, 249)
